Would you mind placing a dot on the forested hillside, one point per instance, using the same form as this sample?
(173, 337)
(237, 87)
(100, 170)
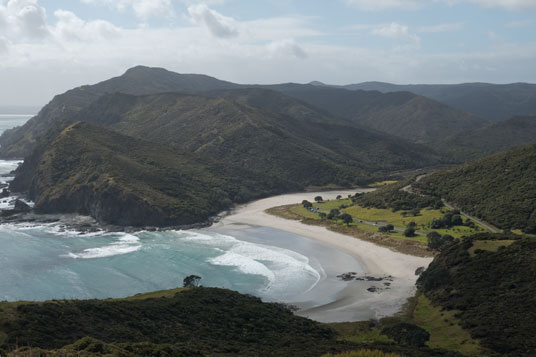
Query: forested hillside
(500, 189)
(485, 100)
(493, 138)
(405, 115)
(488, 280)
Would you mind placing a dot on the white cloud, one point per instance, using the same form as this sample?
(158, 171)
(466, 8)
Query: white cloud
(143, 9)
(217, 24)
(71, 27)
(287, 47)
(396, 31)
(377, 5)
(441, 28)
(24, 18)
(4, 44)
(265, 50)
(508, 4)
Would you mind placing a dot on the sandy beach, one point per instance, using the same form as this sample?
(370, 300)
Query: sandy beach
(354, 303)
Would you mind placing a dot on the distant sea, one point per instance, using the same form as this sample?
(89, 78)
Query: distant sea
(8, 121)
(41, 262)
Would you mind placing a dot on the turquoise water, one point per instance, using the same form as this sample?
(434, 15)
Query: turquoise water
(41, 262)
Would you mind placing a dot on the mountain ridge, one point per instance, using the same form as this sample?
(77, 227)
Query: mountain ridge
(485, 100)
(18, 142)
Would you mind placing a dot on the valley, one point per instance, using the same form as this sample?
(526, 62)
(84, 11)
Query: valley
(359, 217)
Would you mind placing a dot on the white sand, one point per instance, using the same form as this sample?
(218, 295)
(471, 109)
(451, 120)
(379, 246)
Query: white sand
(355, 302)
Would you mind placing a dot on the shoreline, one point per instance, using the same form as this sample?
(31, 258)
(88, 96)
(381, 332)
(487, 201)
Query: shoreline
(350, 304)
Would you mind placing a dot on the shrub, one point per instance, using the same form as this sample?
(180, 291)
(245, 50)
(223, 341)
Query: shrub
(407, 334)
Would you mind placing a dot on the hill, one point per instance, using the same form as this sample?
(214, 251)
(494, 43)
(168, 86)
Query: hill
(495, 137)
(402, 114)
(485, 100)
(500, 189)
(184, 322)
(488, 282)
(180, 172)
(179, 322)
(80, 168)
(19, 142)
(308, 149)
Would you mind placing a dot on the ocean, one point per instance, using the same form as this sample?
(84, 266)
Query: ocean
(43, 262)
(8, 121)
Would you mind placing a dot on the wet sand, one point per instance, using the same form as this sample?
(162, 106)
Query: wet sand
(354, 302)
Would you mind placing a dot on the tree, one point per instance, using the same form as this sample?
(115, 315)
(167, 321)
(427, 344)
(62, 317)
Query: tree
(386, 229)
(319, 199)
(437, 224)
(339, 197)
(434, 240)
(456, 220)
(346, 218)
(307, 204)
(415, 212)
(409, 232)
(191, 281)
(334, 213)
(407, 334)
(322, 215)
(438, 242)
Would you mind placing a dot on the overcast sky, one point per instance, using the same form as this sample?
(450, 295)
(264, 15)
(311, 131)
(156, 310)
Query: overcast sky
(49, 46)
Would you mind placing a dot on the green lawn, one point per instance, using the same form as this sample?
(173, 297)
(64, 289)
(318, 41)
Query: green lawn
(444, 328)
(519, 232)
(304, 212)
(364, 353)
(423, 221)
(445, 331)
(326, 206)
(381, 183)
(490, 245)
(395, 218)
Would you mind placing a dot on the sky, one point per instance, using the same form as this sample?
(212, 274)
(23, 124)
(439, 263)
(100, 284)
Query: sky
(50, 46)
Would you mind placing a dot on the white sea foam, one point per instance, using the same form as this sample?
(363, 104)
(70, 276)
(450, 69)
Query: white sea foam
(125, 244)
(61, 230)
(280, 267)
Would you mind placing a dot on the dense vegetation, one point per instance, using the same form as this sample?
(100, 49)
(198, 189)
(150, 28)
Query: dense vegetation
(181, 322)
(192, 321)
(489, 280)
(125, 181)
(396, 198)
(485, 100)
(295, 144)
(490, 139)
(226, 152)
(500, 189)
(402, 114)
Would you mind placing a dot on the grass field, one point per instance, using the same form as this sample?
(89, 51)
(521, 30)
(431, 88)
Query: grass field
(489, 245)
(395, 218)
(445, 331)
(423, 220)
(443, 327)
(326, 206)
(364, 353)
(381, 183)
